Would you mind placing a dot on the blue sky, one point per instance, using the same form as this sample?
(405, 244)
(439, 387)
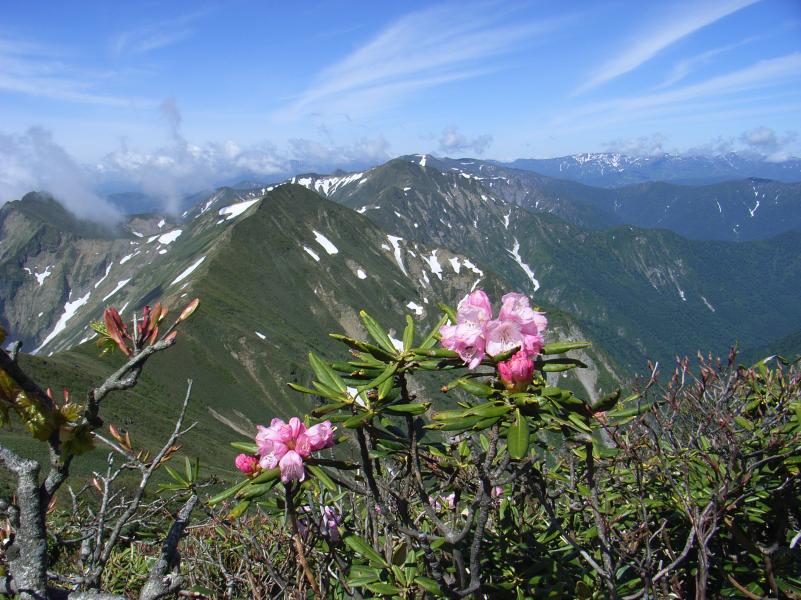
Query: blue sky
(120, 88)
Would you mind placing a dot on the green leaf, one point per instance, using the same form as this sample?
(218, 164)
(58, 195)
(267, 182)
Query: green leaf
(357, 421)
(744, 423)
(490, 409)
(556, 367)
(323, 410)
(385, 589)
(385, 374)
(477, 389)
(377, 333)
(325, 374)
(629, 413)
(562, 347)
(255, 490)
(408, 333)
(374, 351)
(451, 314)
(301, 389)
(386, 387)
(225, 494)
(267, 475)
(326, 392)
(174, 474)
(415, 408)
(431, 338)
(429, 585)
(457, 424)
(238, 510)
(320, 474)
(188, 469)
(579, 422)
(608, 402)
(517, 438)
(246, 447)
(363, 549)
(436, 352)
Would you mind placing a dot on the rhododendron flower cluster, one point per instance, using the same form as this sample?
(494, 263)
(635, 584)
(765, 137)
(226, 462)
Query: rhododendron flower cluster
(285, 445)
(477, 334)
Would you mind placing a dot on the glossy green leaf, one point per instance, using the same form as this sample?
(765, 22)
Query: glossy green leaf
(408, 333)
(517, 437)
(321, 476)
(246, 447)
(238, 510)
(377, 333)
(325, 374)
(428, 584)
(431, 338)
(562, 347)
(365, 550)
(227, 493)
(415, 408)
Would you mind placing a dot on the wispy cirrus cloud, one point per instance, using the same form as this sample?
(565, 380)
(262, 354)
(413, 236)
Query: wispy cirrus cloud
(35, 69)
(773, 72)
(421, 50)
(154, 36)
(684, 67)
(684, 21)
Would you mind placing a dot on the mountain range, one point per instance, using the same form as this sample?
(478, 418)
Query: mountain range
(278, 267)
(613, 169)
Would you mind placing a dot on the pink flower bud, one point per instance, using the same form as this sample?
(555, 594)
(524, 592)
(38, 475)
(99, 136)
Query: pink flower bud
(247, 464)
(516, 373)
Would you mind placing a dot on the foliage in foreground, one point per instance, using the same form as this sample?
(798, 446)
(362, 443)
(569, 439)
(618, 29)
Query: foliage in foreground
(687, 487)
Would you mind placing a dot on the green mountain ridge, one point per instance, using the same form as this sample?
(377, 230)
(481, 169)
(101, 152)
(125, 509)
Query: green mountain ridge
(270, 292)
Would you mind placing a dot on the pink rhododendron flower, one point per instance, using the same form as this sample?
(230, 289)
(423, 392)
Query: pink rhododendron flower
(331, 520)
(285, 445)
(444, 502)
(291, 465)
(516, 373)
(516, 308)
(503, 336)
(475, 334)
(475, 306)
(247, 464)
(497, 491)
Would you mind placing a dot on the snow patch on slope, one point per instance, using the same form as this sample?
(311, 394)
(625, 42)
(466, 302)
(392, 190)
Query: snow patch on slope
(515, 254)
(395, 241)
(324, 242)
(120, 285)
(70, 308)
(170, 236)
(188, 271)
(234, 210)
(108, 270)
(416, 308)
(433, 264)
(40, 277)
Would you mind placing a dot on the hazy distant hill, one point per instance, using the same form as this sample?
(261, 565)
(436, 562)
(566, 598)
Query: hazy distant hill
(608, 169)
